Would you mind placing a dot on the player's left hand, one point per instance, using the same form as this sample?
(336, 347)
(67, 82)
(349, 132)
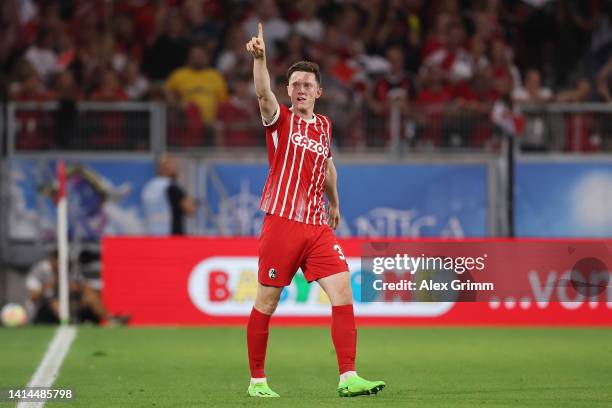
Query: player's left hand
(257, 46)
(333, 216)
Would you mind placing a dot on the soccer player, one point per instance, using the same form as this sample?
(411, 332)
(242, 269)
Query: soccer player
(297, 229)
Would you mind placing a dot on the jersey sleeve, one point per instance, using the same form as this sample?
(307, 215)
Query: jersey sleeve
(279, 116)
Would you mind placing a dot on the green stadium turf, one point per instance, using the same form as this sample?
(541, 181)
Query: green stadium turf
(423, 367)
(21, 350)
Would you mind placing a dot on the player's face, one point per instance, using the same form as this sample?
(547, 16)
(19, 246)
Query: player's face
(303, 90)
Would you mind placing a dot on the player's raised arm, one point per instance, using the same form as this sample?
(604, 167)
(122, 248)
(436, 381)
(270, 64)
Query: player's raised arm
(267, 101)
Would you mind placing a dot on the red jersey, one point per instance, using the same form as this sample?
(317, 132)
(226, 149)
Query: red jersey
(298, 150)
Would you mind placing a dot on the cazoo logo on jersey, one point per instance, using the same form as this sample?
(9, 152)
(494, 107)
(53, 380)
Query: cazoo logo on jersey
(310, 144)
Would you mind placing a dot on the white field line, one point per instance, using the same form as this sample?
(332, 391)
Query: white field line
(48, 369)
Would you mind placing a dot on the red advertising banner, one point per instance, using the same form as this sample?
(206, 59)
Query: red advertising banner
(213, 281)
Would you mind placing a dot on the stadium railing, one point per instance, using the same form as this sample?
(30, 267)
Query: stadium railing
(447, 129)
(394, 133)
(564, 127)
(151, 127)
(102, 127)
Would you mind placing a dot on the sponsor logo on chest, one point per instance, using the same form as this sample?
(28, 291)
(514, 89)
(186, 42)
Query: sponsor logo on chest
(316, 146)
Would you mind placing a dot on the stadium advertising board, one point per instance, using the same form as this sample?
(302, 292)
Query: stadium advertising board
(417, 200)
(193, 281)
(564, 199)
(103, 197)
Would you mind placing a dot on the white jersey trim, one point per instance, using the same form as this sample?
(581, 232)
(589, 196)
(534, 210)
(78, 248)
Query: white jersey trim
(274, 118)
(299, 173)
(291, 170)
(280, 181)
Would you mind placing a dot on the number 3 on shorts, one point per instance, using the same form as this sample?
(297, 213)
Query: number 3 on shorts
(340, 253)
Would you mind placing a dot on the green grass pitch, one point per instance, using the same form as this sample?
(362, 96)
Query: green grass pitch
(423, 367)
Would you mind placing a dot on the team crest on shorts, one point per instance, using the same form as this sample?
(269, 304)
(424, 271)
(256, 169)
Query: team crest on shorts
(272, 273)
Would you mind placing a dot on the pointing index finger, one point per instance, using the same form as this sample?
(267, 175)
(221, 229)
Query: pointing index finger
(260, 26)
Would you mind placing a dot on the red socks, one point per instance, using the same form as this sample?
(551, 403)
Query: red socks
(344, 336)
(257, 342)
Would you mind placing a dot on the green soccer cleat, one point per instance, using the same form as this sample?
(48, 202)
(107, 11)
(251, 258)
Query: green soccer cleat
(262, 390)
(356, 386)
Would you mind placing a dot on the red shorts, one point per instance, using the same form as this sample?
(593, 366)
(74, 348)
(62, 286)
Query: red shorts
(286, 245)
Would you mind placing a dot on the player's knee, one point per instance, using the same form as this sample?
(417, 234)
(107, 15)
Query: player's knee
(267, 304)
(343, 296)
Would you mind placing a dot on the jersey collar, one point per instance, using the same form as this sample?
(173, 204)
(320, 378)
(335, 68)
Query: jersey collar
(309, 121)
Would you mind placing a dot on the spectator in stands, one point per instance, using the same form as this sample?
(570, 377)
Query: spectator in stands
(486, 22)
(309, 25)
(573, 23)
(11, 34)
(169, 50)
(66, 87)
(294, 49)
(604, 90)
(136, 85)
(536, 125)
(581, 92)
(233, 61)
(198, 83)
(604, 82)
(110, 130)
(349, 38)
(343, 100)
(277, 29)
(41, 55)
(600, 48)
(581, 131)
(435, 91)
(30, 88)
(394, 88)
(88, 62)
(397, 24)
(65, 50)
(533, 92)
(42, 283)
(396, 80)
(165, 204)
(110, 89)
(432, 101)
(502, 64)
(65, 117)
(437, 38)
(126, 46)
(484, 87)
(472, 104)
(478, 54)
(203, 27)
(238, 120)
(454, 60)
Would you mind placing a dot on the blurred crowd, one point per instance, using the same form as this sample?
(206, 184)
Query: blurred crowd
(433, 60)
